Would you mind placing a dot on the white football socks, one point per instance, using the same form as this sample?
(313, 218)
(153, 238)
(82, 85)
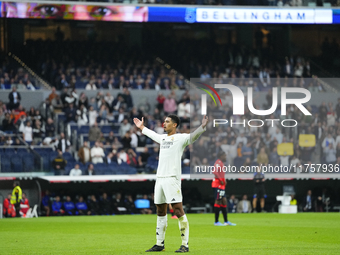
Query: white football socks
(184, 229)
(162, 223)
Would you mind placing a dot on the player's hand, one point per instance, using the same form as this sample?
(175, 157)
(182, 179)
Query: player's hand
(138, 123)
(222, 182)
(204, 121)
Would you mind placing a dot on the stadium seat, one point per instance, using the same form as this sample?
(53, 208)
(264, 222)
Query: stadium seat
(113, 168)
(5, 165)
(186, 170)
(68, 168)
(84, 129)
(73, 128)
(106, 129)
(100, 168)
(68, 157)
(28, 161)
(46, 162)
(17, 164)
(9, 151)
(22, 151)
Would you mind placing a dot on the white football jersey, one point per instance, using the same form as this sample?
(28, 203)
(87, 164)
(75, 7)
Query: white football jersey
(171, 150)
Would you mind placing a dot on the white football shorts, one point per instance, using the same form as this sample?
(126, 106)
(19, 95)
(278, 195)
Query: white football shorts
(168, 190)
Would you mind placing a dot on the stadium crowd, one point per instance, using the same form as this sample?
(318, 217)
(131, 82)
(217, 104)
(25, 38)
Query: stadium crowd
(65, 65)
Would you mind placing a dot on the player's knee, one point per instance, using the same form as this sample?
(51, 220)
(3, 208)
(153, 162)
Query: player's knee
(178, 212)
(161, 212)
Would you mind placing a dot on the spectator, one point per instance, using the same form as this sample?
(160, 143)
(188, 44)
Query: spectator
(232, 204)
(91, 85)
(278, 135)
(111, 138)
(184, 110)
(82, 116)
(14, 99)
(81, 207)
(92, 116)
(90, 170)
(7, 210)
(57, 104)
(84, 153)
(105, 205)
(63, 144)
(159, 129)
(53, 95)
(143, 158)
(97, 154)
(57, 207)
(244, 205)
(274, 158)
(241, 139)
(262, 157)
(71, 114)
(118, 204)
(160, 99)
(117, 103)
(8, 123)
(76, 171)
(247, 151)
(2, 117)
(126, 140)
(308, 202)
(94, 206)
(38, 132)
(330, 154)
(134, 137)
(50, 128)
(83, 100)
(46, 203)
(28, 133)
(69, 206)
(130, 205)
(94, 133)
(293, 201)
(24, 205)
(131, 158)
(169, 105)
(328, 140)
(124, 127)
(59, 164)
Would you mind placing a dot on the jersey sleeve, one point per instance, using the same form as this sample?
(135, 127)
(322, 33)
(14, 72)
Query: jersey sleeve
(151, 134)
(192, 137)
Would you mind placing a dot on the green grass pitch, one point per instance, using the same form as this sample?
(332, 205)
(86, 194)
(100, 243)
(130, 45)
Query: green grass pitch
(267, 233)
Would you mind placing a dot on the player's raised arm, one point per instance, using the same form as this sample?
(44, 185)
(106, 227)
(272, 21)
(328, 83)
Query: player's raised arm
(197, 133)
(149, 133)
(139, 123)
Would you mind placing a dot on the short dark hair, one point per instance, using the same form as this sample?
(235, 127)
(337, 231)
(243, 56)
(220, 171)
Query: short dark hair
(221, 154)
(17, 183)
(175, 119)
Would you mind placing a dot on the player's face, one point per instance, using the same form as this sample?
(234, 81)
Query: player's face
(168, 125)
